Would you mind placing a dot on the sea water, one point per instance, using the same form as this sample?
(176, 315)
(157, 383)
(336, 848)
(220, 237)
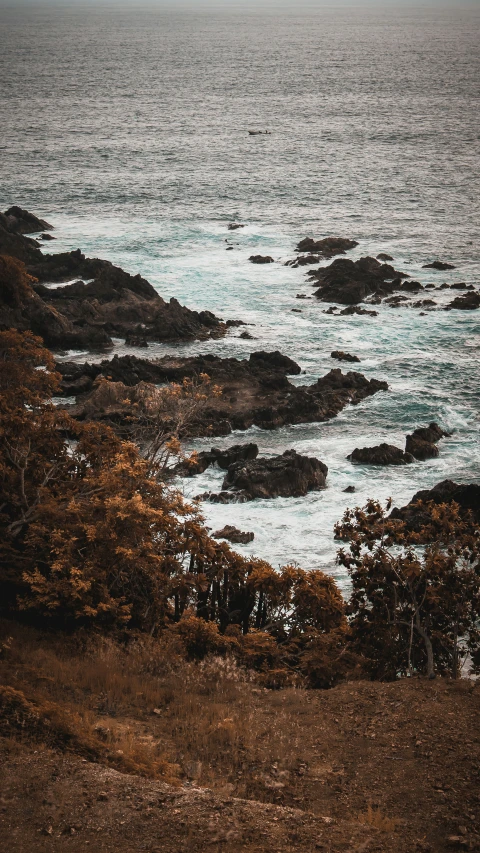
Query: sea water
(128, 130)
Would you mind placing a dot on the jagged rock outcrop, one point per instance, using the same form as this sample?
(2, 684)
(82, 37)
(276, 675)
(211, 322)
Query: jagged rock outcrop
(234, 535)
(23, 222)
(252, 392)
(288, 475)
(349, 282)
(381, 454)
(422, 442)
(87, 315)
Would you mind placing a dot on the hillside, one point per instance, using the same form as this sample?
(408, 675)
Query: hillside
(108, 750)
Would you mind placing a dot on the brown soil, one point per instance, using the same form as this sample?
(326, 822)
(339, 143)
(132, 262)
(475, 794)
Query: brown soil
(362, 767)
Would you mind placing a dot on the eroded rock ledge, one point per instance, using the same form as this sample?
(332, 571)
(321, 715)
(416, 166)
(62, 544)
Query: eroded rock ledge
(252, 392)
(104, 301)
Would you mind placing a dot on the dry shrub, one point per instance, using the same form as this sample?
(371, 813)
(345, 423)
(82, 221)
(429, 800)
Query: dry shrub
(374, 818)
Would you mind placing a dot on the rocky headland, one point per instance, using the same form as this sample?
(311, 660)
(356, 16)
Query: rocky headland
(103, 301)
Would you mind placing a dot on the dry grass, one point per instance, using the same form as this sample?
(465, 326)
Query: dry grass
(374, 818)
(147, 710)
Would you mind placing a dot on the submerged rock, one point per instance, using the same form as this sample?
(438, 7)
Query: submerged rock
(343, 356)
(233, 226)
(288, 475)
(384, 257)
(354, 309)
(261, 259)
(438, 265)
(381, 454)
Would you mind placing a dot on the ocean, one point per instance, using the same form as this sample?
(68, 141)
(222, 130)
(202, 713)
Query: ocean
(128, 130)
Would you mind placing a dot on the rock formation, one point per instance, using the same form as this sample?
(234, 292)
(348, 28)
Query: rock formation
(349, 282)
(381, 454)
(288, 475)
(234, 535)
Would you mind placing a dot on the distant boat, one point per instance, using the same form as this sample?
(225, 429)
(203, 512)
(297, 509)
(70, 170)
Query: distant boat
(259, 132)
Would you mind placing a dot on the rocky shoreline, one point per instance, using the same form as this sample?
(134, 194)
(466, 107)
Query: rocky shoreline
(76, 302)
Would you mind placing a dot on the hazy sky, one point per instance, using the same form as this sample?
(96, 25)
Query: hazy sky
(239, 5)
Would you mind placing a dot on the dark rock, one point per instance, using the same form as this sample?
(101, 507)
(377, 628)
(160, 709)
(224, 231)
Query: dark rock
(304, 261)
(430, 287)
(328, 247)
(231, 323)
(421, 443)
(23, 222)
(354, 309)
(195, 464)
(382, 454)
(275, 361)
(343, 356)
(438, 265)
(261, 259)
(233, 226)
(252, 392)
(465, 303)
(113, 303)
(289, 475)
(302, 296)
(384, 257)
(234, 535)
(297, 310)
(350, 489)
(236, 453)
(349, 282)
(259, 132)
(411, 286)
(415, 515)
(16, 245)
(395, 300)
(461, 285)
(222, 497)
(47, 237)
(229, 249)
(246, 336)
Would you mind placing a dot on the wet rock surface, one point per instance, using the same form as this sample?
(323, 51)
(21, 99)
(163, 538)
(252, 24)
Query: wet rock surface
(261, 259)
(86, 314)
(23, 222)
(343, 356)
(288, 475)
(327, 247)
(381, 454)
(422, 442)
(252, 392)
(349, 282)
(465, 303)
(438, 265)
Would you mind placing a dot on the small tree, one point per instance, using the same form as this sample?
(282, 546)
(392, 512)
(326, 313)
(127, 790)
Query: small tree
(413, 607)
